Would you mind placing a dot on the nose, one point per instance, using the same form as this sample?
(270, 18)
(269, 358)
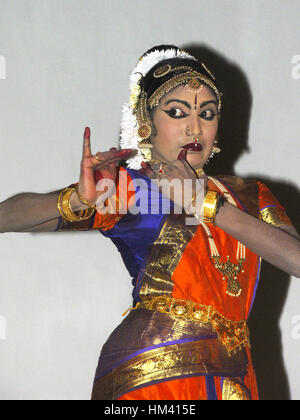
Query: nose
(194, 126)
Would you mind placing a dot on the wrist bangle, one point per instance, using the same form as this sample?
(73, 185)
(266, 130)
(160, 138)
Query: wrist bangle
(65, 210)
(209, 208)
(83, 200)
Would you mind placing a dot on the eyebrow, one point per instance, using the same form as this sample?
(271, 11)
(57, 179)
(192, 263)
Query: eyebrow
(188, 105)
(208, 102)
(180, 101)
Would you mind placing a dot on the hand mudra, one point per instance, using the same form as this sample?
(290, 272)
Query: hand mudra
(93, 167)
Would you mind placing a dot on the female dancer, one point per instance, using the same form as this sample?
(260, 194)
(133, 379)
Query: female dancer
(193, 249)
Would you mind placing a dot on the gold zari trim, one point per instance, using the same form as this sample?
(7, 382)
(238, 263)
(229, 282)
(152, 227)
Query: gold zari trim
(165, 255)
(275, 216)
(234, 390)
(233, 334)
(171, 361)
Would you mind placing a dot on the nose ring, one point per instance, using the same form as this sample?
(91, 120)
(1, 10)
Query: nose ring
(188, 133)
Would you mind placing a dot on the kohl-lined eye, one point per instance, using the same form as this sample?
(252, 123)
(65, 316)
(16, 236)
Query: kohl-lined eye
(208, 114)
(175, 113)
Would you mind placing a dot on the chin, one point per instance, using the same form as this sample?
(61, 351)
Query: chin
(195, 161)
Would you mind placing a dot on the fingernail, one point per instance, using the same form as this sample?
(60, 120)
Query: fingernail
(146, 170)
(87, 133)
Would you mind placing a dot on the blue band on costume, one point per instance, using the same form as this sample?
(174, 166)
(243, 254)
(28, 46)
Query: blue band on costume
(135, 248)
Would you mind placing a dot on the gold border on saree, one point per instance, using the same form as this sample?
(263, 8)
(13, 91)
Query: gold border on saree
(159, 364)
(233, 334)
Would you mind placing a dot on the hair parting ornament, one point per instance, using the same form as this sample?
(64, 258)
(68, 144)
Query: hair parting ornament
(136, 123)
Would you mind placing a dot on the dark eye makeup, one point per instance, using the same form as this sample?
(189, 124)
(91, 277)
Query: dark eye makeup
(177, 113)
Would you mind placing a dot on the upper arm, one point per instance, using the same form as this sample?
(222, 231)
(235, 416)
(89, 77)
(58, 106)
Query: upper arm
(291, 230)
(271, 211)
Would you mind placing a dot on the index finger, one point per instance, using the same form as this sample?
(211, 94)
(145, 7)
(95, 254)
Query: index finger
(86, 142)
(182, 158)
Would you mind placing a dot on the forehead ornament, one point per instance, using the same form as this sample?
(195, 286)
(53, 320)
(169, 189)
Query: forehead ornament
(191, 78)
(195, 85)
(162, 71)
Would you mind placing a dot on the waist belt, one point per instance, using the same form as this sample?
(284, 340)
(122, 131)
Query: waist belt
(233, 334)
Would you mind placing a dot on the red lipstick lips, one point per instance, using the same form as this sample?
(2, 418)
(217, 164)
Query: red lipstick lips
(193, 147)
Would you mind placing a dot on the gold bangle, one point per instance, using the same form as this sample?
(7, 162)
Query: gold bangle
(210, 206)
(59, 206)
(83, 200)
(65, 210)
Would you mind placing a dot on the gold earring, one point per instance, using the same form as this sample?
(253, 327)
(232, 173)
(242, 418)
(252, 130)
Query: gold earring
(216, 149)
(144, 124)
(145, 147)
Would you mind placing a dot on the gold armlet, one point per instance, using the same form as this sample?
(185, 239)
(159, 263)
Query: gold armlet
(65, 210)
(210, 205)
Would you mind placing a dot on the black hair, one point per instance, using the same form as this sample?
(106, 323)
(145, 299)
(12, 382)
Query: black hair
(150, 84)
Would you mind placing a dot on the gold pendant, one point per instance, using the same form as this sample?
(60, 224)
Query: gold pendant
(231, 271)
(233, 287)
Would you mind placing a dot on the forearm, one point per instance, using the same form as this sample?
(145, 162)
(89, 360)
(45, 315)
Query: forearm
(269, 242)
(32, 212)
(22, 211)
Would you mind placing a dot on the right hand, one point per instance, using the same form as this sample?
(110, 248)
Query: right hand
(95, 167)
(179, 171)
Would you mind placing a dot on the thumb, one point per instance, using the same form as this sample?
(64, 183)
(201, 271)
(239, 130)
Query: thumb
(146, 169)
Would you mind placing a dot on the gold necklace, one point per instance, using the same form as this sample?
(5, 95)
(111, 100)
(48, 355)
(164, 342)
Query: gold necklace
(228, 269)
(199, 172)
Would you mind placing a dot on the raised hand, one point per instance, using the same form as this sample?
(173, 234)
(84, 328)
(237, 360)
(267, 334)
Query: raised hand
(183, 180)
(95, 167)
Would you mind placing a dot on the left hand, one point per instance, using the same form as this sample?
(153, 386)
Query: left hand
(183, 178)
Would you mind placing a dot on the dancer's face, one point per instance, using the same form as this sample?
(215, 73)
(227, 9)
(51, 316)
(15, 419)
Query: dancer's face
(185, 120)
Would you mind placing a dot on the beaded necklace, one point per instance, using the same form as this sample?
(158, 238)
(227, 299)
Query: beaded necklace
(228, 269)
